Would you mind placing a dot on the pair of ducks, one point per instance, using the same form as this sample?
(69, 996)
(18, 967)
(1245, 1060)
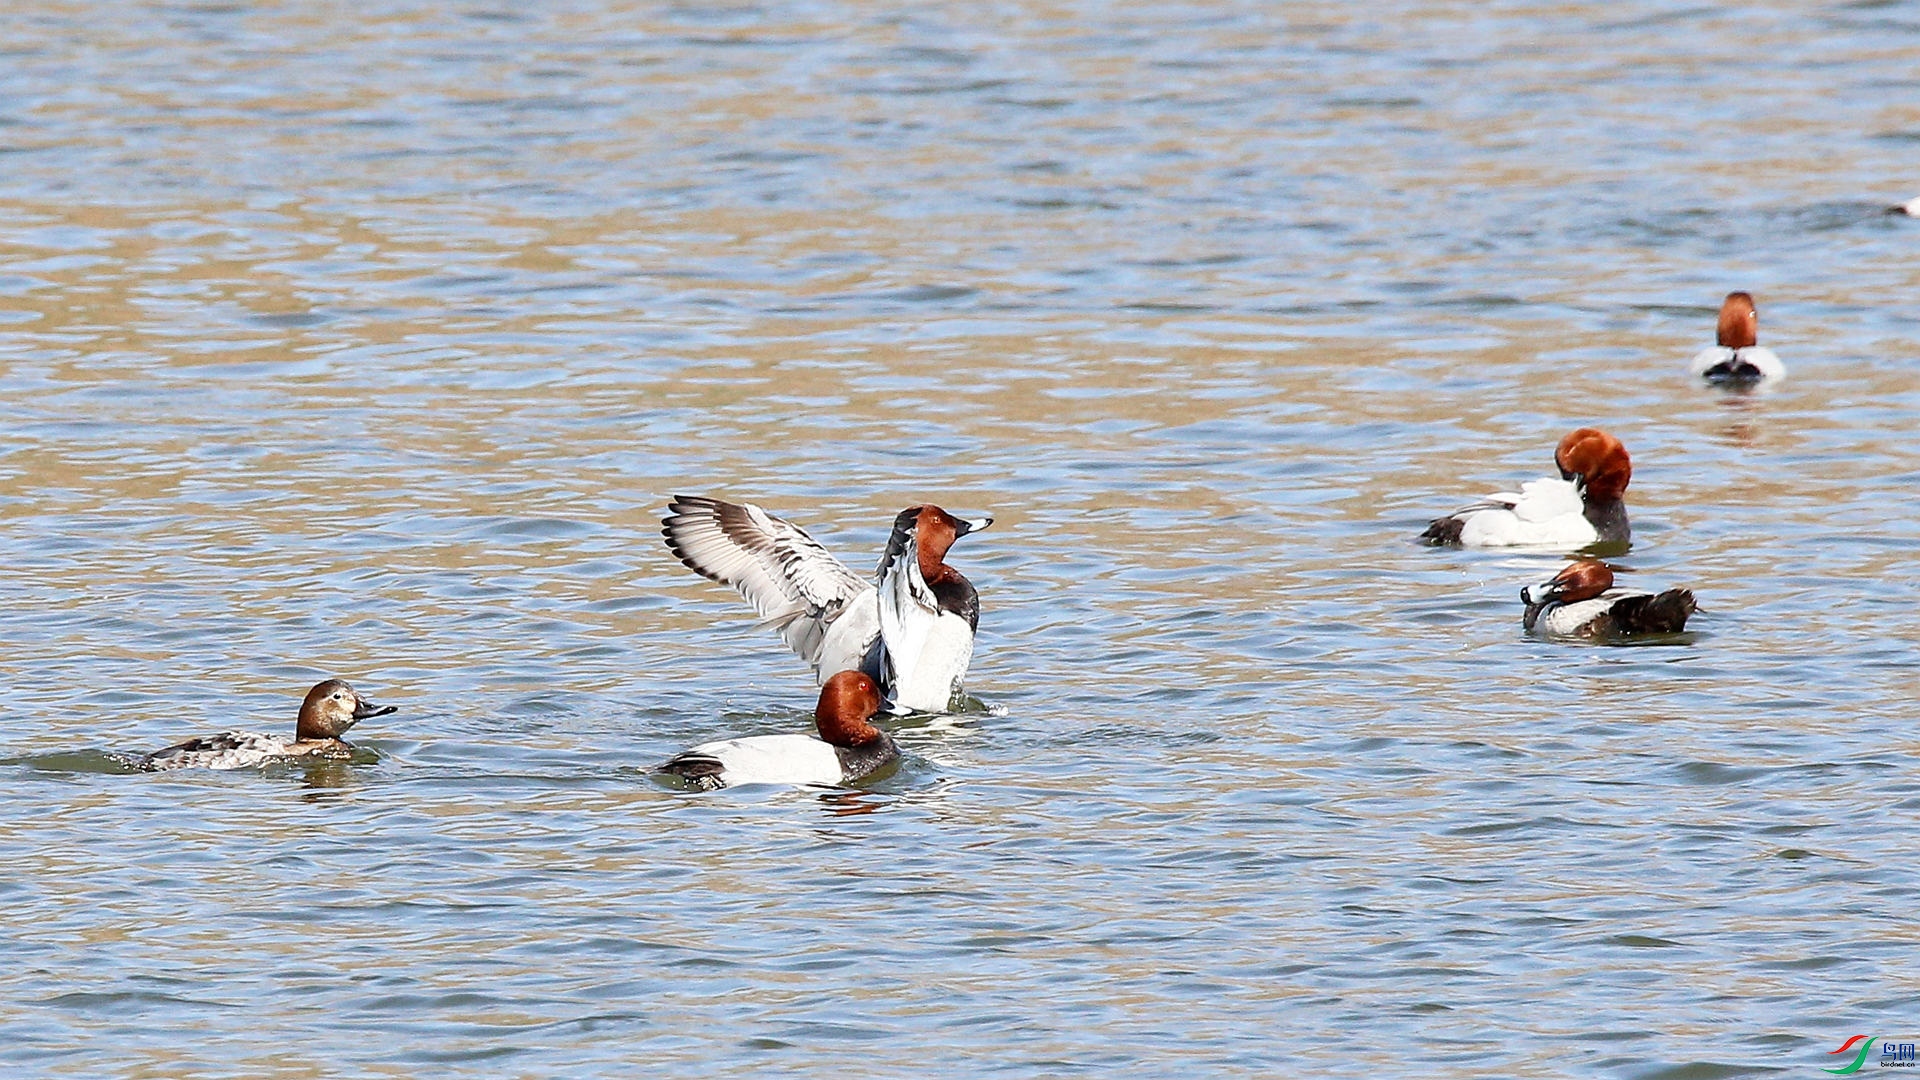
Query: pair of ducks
(1585, 505)
(905, 637)
(849, 748)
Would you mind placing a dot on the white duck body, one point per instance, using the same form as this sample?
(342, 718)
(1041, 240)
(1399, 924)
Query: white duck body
(772, 759)
(927, 629)
(849, 748)
(1577, 618)
(1582, 507)
(1545, 512)
(1753, 364)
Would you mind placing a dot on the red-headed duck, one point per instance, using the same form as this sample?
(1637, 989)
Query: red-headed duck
(330, 709)
(1580, 601)
(1911, 208)
(910, 629)
(1584, 506)
(849, 748)
(1736, 360)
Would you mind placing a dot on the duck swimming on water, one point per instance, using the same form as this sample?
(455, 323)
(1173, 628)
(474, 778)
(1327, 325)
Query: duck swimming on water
(330, 708)
(849, 748)
(1737, 359)
(1580, 601)
(1585, 505)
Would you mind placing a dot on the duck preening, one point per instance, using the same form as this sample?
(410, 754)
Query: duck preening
(1585, 505)
(1580, 601)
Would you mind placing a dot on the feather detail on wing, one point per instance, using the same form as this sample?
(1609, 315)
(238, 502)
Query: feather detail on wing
(1645, 613)
(1499, 500)
(229, 750)
(772, 562)
(820, 607)
(1449, 529)
(702, 772)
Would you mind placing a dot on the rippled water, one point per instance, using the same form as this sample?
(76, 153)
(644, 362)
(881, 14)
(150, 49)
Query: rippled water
(369, 340)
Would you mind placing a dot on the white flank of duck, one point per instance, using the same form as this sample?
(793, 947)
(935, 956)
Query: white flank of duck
(1584, 506)
(849, 747)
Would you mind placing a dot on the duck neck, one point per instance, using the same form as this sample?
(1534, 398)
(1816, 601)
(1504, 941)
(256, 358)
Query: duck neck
(1608, 518)
(863, 759)
(1534, 611)
(933, 565)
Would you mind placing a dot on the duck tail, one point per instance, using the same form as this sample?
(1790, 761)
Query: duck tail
(1647, 614)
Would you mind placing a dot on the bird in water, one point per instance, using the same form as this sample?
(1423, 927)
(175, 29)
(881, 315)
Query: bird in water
(1737, 359)
(1580, 601)
(849, 748)
(1584, 505)
(910, 629)
(330, 708)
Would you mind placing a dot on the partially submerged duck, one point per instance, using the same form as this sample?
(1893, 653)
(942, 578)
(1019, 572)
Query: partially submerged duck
(1736, 358)
(330, 708)
(1585, 505)
(1580, 601)
(849, 748)
(910, 628)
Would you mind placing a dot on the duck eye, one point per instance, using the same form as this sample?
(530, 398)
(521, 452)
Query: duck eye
(336, 695)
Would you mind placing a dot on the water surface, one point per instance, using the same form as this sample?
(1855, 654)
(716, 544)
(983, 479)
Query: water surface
(369, 340)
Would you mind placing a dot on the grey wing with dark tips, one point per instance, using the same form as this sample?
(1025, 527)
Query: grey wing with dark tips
(826, 613)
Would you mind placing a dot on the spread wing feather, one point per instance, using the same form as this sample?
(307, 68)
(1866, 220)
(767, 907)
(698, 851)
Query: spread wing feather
(773, 562)
(821, 608)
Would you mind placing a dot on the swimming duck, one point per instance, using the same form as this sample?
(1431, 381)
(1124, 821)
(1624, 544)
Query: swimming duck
(1736, 360)
(1580, 601)
(330, 709)
(910, 629)
(848, 749)
(1584, 506)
